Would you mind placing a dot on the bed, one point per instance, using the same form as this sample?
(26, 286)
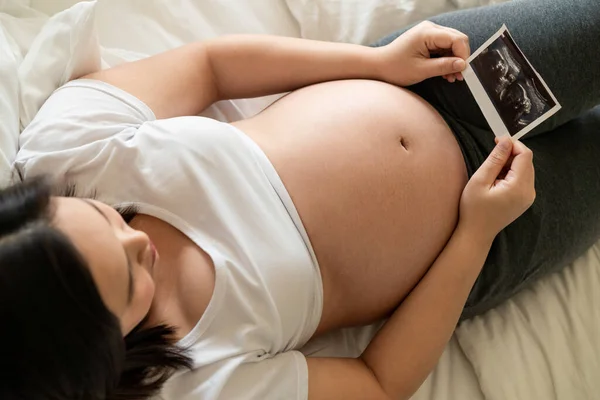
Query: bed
(542, 344)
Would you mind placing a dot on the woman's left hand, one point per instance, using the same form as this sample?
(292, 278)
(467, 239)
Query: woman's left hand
(424, 51)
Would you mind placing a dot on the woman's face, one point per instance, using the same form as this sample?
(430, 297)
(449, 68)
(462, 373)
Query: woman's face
(121, 259)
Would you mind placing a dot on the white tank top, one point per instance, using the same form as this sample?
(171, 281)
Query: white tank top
(214, 184)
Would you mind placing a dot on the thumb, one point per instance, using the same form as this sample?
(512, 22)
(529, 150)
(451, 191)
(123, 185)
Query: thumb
(492, 166)
(444, 66)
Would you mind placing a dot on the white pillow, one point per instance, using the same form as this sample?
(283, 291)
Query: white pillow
(133, 30)
(9, 104)
(360, 21)
(51, 7)
(21, 23)
(66, 48)
(150, 27)
(18, 26)
(365, 21)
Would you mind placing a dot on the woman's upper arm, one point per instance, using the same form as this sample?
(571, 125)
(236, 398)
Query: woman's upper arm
(342, 378)
(174, 83)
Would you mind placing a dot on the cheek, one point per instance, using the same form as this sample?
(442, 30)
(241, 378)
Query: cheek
(144, 293)
(142, 300)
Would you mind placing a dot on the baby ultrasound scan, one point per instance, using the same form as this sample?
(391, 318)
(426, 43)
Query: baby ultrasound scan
(512, 95)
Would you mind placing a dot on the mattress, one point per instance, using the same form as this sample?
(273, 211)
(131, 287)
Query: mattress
(542, 344)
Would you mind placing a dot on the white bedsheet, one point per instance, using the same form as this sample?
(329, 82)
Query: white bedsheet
(543, 344)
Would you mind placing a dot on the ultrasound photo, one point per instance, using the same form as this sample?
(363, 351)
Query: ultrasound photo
(518, 94)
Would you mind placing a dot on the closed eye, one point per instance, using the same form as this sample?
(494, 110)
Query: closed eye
(130, 284)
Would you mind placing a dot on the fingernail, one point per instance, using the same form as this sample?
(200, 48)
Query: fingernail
(458, 65)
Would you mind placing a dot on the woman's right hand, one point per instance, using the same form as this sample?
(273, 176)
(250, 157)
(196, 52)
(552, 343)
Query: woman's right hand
(499, 191)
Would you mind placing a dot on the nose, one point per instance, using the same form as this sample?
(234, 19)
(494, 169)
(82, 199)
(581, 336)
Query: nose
(136, 244)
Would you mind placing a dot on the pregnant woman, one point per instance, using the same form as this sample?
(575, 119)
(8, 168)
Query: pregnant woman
(373, 190)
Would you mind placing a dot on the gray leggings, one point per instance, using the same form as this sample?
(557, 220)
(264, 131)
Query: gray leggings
(561, 39)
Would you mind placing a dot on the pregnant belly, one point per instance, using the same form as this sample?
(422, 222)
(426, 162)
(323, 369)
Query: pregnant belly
(376, 176)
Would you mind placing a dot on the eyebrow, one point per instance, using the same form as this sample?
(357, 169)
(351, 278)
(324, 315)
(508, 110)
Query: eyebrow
(129, 266)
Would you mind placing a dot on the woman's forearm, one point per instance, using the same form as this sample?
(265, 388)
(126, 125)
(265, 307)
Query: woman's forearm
(256, 65)
(187, 80)
(409, 345)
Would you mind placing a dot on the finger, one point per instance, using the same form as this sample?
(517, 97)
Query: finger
(493, 165)
(460, 48)
(460, 76)
(449, 38)
(440, 38)
(442, 66)
(451, 78)
(520, 147)
(464, 38)
(522, 163)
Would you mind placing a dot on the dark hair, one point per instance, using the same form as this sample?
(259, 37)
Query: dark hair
(59, 340)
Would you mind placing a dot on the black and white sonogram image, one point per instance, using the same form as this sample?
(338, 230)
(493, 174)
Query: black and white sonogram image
(517, 93)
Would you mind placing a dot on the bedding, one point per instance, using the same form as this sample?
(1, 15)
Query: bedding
(65, 48)
(543, 343)
(9, 104)
(17, 26)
